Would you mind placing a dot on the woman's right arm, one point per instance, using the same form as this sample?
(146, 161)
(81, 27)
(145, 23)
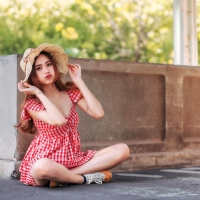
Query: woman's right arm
(51, 115)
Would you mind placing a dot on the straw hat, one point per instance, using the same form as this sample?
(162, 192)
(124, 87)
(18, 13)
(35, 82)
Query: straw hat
(57, 52)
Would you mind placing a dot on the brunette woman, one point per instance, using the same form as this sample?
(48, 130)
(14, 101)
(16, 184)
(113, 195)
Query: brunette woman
(54, 156)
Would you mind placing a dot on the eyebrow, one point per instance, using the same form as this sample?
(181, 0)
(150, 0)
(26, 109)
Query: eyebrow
(41, 64)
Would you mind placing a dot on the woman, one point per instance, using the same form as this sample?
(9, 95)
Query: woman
(54, 156)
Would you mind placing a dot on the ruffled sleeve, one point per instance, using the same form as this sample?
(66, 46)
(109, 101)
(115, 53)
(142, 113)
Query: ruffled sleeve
(75, 95)
(32, 105)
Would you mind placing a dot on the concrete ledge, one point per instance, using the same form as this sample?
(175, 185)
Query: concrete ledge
(153, 108)
(144, 161)
(6, 168)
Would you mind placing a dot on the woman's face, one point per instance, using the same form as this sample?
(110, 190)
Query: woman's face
(44, 70)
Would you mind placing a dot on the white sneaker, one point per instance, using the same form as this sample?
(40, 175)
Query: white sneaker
(98, 177)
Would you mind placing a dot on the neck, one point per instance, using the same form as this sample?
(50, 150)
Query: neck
(50, 90)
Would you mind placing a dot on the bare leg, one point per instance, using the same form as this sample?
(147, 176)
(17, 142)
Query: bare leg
(45, 170)
(104, 159)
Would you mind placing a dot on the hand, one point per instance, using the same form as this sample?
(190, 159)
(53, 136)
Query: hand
(27, 88)
(74, 71)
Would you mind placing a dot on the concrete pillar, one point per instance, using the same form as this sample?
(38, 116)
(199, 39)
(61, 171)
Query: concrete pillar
(185, 34)
(8, 110)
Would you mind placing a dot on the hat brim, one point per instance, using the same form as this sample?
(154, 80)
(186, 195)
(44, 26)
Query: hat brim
(57, 53)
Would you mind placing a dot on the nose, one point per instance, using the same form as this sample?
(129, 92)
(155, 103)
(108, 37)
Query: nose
(46, 70)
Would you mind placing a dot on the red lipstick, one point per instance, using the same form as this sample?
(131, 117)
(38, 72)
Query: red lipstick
(48, 76)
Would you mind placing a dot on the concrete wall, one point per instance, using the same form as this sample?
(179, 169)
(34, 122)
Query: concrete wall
(8, 110)
(153, 108)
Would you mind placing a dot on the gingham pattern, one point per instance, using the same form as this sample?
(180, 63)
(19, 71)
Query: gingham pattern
(61, 144)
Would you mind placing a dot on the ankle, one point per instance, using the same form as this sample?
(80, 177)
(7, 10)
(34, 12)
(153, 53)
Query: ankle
(85, 180)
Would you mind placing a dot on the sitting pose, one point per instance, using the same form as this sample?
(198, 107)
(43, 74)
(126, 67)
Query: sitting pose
(54, 156)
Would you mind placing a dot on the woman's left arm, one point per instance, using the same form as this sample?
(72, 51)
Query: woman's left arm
(88, 103)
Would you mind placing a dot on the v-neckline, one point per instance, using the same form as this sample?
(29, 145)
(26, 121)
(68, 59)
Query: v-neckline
(71, 106)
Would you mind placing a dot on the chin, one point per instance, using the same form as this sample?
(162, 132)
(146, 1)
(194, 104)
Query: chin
(46, 82)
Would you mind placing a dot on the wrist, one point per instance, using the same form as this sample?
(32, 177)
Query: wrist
(38, 92)
(78, 82)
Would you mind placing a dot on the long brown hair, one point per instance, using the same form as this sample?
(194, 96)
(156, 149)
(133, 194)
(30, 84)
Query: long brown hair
(27, 126)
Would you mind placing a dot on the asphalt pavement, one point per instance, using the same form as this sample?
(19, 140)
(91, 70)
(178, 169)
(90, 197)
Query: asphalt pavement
(159, 184)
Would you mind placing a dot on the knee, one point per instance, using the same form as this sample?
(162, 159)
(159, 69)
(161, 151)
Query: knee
(123, 151)
(41, 168)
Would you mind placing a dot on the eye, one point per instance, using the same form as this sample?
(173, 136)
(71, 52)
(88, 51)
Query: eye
(38, 68)
(49, 64)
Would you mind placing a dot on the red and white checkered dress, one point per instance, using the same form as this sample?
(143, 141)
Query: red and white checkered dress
(61, 144)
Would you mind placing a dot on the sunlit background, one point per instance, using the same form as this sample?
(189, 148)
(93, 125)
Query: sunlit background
(129, 30)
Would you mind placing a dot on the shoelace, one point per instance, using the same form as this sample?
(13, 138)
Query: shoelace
(97, 178)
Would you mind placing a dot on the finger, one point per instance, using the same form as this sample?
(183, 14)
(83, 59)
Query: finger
(70, 65)
(20, 87)
(77, 65)
(26, 84)
(72, 68)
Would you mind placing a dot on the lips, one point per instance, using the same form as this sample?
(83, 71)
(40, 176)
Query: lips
(48, 76)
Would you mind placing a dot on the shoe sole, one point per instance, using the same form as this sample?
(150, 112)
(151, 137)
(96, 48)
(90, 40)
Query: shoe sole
(55, 184)
(52, 184)
(108, 175)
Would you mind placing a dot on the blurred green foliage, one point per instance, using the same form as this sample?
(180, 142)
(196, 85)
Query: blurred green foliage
(131, 30)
